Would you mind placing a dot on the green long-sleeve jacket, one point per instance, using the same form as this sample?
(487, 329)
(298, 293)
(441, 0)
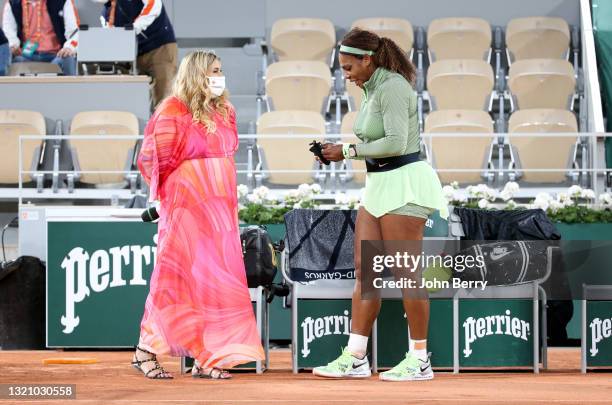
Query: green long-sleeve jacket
(387, 122)
(387, 125)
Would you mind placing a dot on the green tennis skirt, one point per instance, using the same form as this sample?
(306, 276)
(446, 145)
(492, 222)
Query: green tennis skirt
(413, 189)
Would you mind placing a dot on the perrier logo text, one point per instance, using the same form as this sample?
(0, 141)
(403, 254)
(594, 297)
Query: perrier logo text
(600, 330)
(314, 328)
(102, 269)
(476, 328)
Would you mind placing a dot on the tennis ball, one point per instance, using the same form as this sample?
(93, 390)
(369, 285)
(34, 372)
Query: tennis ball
(439, 273)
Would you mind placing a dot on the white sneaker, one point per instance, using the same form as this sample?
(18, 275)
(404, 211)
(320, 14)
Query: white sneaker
(409, 369)
(345, 366)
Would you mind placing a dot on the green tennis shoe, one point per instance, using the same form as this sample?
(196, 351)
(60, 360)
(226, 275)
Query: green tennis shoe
(345, 366)
(409, 369)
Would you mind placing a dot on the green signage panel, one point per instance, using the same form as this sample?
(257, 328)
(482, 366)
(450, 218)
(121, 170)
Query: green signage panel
(97, 282)
(599, 331)
(495, 333)
(435, 226)
(323, 330)
(392, 330)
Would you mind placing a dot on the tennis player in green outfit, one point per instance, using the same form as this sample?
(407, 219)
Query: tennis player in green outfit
(401, 192)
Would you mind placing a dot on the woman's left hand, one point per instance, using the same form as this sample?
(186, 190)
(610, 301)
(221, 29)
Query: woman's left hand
(333, 152)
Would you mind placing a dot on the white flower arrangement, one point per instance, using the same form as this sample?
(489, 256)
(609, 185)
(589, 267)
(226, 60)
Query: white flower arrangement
(449, 193)
(511, 204)
(262, 192)
(588, 194)
(484, 197)
(259, 195)
(347, 202)
(243, 190)
(512, 187)
(572, 197)
(304, 190)
(482, 191)
(292, 195)
(564, 206)
(565, 199)
(555, 205)
(509, 191)
(264, 207)
(341, 199)
(483, 203)
(315, 188)
(575, 191)
(303, 197)
(544, 197)
(254, 199)
(605, 199)
(542, 201)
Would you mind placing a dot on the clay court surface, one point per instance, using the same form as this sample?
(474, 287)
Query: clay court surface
(113, 381)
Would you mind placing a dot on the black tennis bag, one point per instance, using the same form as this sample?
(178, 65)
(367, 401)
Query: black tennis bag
(506, 263)
(259, 256)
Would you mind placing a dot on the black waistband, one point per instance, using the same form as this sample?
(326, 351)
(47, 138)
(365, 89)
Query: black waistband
(391, 163)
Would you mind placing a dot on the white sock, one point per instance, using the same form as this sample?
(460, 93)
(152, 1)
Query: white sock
(420, 354)
(357, 345)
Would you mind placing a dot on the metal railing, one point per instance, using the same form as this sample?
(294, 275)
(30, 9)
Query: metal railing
(56, 182)
(63, 179)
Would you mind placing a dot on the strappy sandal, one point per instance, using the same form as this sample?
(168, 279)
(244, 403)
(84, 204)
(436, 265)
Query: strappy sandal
(198, 372)
(137, 364)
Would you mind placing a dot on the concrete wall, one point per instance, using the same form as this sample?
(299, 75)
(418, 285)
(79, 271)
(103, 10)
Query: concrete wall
(244, 18)
(421, 12)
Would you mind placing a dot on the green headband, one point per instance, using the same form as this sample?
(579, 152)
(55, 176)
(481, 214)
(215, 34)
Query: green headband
(355, 51)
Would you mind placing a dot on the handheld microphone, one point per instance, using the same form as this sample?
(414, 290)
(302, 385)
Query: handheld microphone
(150, 214)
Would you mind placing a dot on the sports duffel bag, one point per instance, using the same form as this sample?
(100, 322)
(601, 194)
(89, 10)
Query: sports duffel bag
(259, 256)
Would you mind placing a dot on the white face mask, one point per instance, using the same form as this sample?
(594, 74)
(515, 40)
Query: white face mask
(216, 84)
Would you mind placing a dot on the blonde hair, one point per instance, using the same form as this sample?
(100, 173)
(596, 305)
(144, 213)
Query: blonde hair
(191, 87)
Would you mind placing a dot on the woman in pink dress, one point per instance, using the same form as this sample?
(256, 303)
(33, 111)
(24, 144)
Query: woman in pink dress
(198, 303)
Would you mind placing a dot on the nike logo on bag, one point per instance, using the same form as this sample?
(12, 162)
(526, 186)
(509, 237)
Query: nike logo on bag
(383, 164)
(499, 256)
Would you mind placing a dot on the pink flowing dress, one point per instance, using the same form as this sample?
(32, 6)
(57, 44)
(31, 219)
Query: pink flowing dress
(198, 303)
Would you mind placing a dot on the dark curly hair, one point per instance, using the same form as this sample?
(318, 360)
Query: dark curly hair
(387, 53)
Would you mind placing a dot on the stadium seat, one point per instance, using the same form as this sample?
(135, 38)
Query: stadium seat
(460, 84)
(527, 151)
(14, 123)
(355, 92)
(542, 83)
(298, 85)
(348, 136)
(397, 29)
(33, 68)
(537, 38)
(475, 152)
(303, 39)
(94, 155)
(287, 154)
(459, 38)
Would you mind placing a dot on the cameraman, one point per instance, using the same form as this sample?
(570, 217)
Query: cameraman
(157, 50)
